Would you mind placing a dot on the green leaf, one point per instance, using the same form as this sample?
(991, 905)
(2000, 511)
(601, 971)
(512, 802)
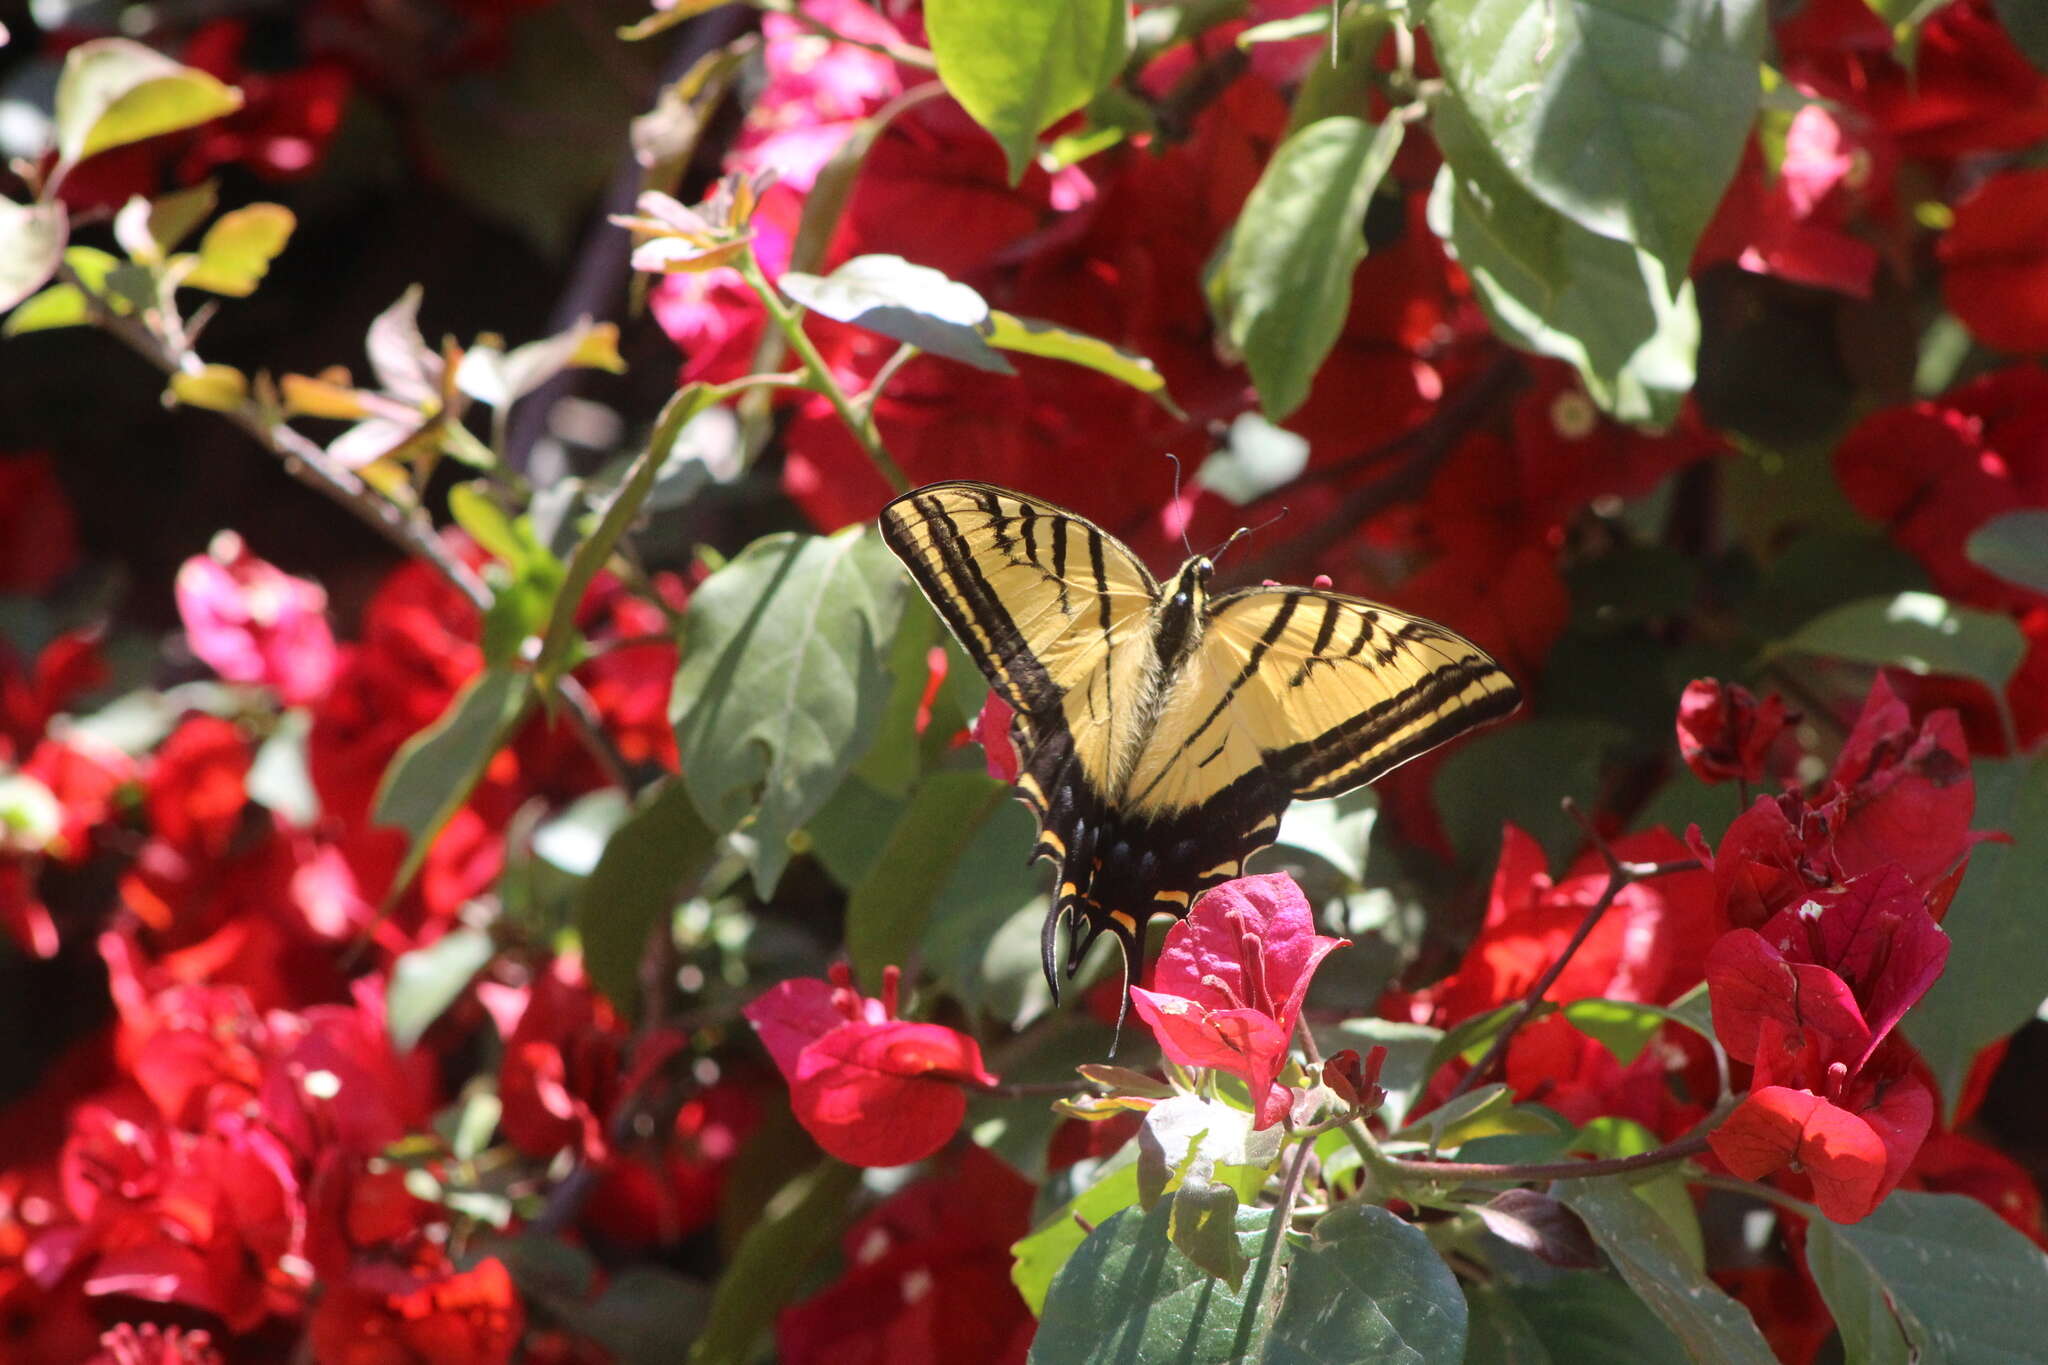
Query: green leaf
(148, 229)
(909, 303)
(617, 514)
(1715, 1329)
(221, 388)
(1018, 69)
(61, 305)
(1626, 116)
(1997, 974)
(528, 586)
(1625, 1027)
(237, 250)
(1474, 803)
(981, 937)
(1038, 1258)
(433, 773)
(765, 1272)
(1129, 1295)
(1202, 1222)
(1336, 832)
(1283, 287)
(895, 758)
(1550, 286)
(1919, 632)
(1256, 458)
(426, 981)
(31, 245)
(646, 867)
(114, 92)
(1368, 1287)
(1931, 1277)
(1665, 1194)
(1486, 1111)
(642, 1315)
(2026, 23)
(1583, 1317)
(2013, 545)
(887, 913)
(1035, 336)
(783, 682)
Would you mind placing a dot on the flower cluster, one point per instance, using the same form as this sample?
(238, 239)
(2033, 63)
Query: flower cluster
(245, 1145)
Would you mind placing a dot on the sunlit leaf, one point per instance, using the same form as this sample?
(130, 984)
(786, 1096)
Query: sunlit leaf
(237, 250)
(31, 244)
(114, 92)
(1019, 68)
(905, 302)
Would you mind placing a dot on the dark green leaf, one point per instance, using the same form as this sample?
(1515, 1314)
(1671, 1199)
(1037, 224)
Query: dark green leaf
(31, 245)
(619, 511)
(1474, 803)
(905, 302)
(426, 981)
(1550, 286)
(1581, 1318)
(783, 682)
(1283, 287)
(981, 937)
(764, 1273)
(2026, 23)
(1368, 1287)
(1997, 974)
(887, 913)
(644, 1314)
(1918, 632)
(1626, 116)
(433, 773)
(892, 761)
(1018, 69)
(1202, 1222)
(1715, 1329)
(849, 830)
(2014, 545)
(646, 867)
(1931, 1277)
(1129, 1296)
(114, 92)
(1038, 1258)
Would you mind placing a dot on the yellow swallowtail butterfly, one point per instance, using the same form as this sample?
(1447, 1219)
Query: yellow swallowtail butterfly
(1162, 731)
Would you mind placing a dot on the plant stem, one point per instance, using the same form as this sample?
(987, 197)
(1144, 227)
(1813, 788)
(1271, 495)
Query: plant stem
(1619, 875)
(902, 53)
(1438, 1172)
(792, 329)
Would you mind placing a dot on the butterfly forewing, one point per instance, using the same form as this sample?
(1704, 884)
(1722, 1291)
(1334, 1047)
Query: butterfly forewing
(1319, 692)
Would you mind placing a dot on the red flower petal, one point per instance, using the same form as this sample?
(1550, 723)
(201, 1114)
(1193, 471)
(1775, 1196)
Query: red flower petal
(885, 1095)
(1777, 1127)
(1997, 261)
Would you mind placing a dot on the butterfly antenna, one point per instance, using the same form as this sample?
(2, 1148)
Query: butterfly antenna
(1241, 532)
(1176, 504)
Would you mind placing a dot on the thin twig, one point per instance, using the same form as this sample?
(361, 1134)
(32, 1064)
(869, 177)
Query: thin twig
(1666, 1155)
(1619, 875)
(301, 457)
(822, 379)
(1428, 444)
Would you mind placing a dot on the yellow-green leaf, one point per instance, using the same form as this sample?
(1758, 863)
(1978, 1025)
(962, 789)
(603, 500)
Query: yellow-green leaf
(237, 250)
(320, 396)
(219, 387)
(114, 92)
(61, 305)
(1035, 336)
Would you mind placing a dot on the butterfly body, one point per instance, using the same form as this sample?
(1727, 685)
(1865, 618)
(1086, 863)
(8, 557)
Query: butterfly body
(1162, 730)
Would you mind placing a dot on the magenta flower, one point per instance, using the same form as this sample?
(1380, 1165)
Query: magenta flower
(251, 622)
(1230, 981)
